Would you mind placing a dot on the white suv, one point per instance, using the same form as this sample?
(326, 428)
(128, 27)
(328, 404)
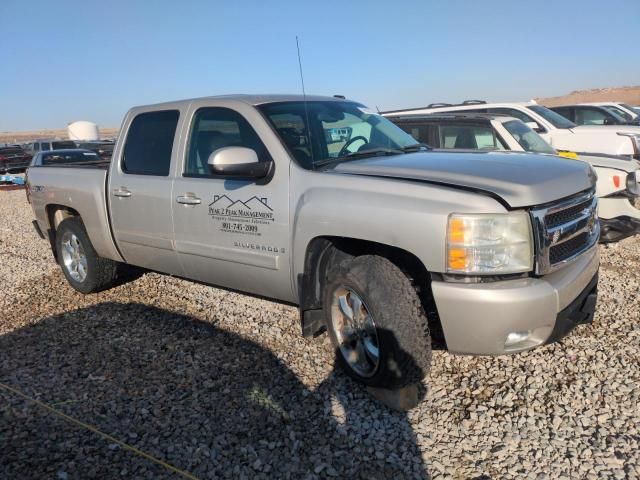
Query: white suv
(561, 133)
(618, 187)
(626, 111)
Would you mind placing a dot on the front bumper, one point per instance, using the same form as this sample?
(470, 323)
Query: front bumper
(477, 318)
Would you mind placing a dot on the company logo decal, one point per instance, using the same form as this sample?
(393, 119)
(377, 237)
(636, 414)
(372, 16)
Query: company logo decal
(254, 208)
(247, 217)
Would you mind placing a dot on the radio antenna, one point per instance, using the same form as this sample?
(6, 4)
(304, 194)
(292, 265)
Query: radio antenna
(304, 99)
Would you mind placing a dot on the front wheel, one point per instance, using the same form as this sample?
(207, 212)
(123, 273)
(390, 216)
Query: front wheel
(82, 267)
(376, 323)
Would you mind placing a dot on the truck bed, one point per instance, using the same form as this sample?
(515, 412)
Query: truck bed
(81, 188)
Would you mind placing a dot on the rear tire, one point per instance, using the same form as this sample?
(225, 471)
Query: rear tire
(388, 345)
(82, 267)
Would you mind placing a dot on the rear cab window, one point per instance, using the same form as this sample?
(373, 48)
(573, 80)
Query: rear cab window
(147, 149)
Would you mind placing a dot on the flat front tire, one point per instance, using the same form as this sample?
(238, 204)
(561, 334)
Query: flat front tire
(82, 267)
(376, 322)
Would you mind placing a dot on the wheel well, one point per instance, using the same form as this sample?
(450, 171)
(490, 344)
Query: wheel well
(323, 252)
(55, 215)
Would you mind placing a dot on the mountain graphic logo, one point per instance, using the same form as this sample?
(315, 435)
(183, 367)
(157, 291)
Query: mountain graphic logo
(256, 208)
(254, 203)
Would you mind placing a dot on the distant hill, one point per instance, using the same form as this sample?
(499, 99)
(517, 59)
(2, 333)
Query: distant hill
(630, 95)
(29, 136)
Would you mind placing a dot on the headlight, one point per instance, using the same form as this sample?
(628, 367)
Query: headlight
(635, 140)
(489, 244)
(633, 184)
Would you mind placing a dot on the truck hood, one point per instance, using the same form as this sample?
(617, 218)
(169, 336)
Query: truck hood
(519, 179)
(625, 164)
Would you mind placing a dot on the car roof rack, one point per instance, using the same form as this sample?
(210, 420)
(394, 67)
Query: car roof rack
(449, 115)
(437, 105)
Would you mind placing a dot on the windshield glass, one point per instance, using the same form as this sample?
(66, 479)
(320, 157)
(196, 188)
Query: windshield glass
(338, 130)
(552, 117)
(529, 140)
(618, 113)
(629, 108)
(57, 158)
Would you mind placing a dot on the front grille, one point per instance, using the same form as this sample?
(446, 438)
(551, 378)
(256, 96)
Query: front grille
(566, 215)
(559, 253)
(565, 230)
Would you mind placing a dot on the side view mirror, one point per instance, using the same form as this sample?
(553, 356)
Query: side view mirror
(238, 162)
(535, 126)
(609, 121)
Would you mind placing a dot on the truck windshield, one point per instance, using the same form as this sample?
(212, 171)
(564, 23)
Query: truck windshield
(338, 131)
(552, 117)
(529, 140)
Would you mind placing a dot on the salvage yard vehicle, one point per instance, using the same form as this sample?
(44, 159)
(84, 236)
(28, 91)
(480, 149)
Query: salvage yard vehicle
(49, 144)
(559, 132)
(617, 186)
(102, 148)
(323, 203)
(628, 112)
(591, 115)
(13, 158)
(74, 156)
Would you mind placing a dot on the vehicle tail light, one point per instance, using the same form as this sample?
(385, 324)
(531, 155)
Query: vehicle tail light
(2, 158)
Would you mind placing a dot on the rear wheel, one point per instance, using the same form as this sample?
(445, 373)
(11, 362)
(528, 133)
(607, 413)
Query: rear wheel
(82, 267)
(376, 323)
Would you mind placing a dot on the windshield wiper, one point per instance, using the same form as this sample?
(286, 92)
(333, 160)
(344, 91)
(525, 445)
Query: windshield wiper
(374, 152)
(416, 147)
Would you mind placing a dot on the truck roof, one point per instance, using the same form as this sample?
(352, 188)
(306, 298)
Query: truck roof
(252, 99)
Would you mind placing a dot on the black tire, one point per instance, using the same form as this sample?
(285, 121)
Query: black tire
(100, 272)
(403, 338)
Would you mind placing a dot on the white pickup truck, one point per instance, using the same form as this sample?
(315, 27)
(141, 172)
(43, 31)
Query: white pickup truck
(559, 132)
(320, 202)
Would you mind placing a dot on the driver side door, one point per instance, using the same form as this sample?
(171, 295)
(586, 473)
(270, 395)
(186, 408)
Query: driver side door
(232, 232)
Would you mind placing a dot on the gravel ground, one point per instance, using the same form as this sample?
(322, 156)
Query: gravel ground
(221, 385)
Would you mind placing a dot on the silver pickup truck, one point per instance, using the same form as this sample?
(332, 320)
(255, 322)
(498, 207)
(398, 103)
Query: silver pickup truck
(322, 203)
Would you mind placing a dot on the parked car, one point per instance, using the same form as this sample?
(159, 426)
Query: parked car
(74, 156)
(103, 148)
(13, 158)
(559, 132)
(46, 145)
(591, 115)
(320, 202)
(629, 113)
(617, 188)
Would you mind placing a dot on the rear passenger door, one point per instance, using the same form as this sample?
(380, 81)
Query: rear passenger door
(139, 191)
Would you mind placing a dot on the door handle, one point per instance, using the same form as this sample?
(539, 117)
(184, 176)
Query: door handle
(188, 199)
(122, 192)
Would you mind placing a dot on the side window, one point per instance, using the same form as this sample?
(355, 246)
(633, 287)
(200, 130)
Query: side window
(590, 116)
(36, 147)
(147, 150)
(469, 137)
(512, 112)
(45, 146)
(418, 131)
(564, 111)
(214, 128)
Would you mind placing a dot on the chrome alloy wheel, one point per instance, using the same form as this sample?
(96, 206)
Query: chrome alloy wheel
(355, 331)
(73, 257)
